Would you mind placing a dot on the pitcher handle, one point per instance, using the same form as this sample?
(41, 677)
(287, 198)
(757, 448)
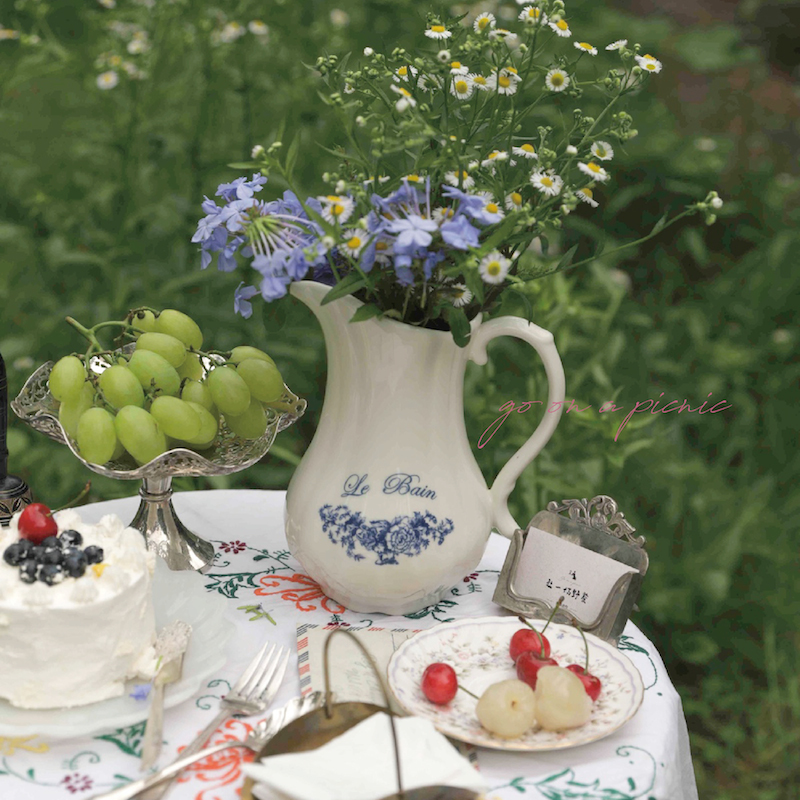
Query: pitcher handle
(542, 341)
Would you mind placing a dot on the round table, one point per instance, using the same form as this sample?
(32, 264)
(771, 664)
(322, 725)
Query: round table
(647, 758)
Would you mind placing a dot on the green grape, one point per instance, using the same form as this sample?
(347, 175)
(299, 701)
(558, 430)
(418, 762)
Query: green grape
(243, 352)
(152, 370)
(182, 327)
(96, 435)
(198, 393)
(176, 417)
(262, 379)
(67, 378)
(168, 347)
(71, 410)
(121, 387)
(146, 320)
(251, 424)
(119, 450)
(208, 428)
(228, 390)
(140, 434)
(192, 368)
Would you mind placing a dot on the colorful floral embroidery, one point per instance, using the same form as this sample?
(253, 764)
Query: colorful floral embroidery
(233, 547)
(77, 783)
(302, 593)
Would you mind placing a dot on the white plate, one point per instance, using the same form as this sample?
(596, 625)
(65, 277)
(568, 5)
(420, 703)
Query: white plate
(176, 595)
(478, 651)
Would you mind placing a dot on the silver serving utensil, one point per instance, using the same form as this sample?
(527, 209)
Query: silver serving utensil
(171, 645)
(260, 735)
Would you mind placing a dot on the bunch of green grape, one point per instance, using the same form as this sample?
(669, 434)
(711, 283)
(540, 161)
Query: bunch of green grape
(166, 393)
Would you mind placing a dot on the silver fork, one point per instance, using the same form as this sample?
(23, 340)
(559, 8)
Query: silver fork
(258, 737)
(253, 692)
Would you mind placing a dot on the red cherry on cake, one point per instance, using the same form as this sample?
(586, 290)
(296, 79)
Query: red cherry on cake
(529, 664)
(590, 682)
(439, 683)
(36, 523)
(527, 640)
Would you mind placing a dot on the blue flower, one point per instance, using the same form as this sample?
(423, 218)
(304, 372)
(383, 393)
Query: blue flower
(241, 188)
(272, 265)
(405, 277)
(241, 297)
(459, 233)
(296, 265)
(431, 260)
(412, 232)
(274, 287)
(141, 691)
(209, 206)
(206, 227)
(468, 203)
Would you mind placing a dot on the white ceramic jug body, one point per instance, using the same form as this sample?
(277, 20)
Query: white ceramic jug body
(388, 508)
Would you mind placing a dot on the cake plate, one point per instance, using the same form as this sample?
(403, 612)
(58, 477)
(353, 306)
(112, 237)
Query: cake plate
(166, 535)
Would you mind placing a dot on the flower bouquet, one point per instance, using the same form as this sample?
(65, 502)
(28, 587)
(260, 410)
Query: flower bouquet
(458, 156)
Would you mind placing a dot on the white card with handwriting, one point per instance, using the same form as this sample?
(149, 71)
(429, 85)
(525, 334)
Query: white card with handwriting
(550, 567)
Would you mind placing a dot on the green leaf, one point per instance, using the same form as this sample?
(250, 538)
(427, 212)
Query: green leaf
(243, 165)
(291, 156)
(526, 303)
(660, 224)
(367, 311)
(459, 325)
(545, 243)
(566, 259)
(352, 283)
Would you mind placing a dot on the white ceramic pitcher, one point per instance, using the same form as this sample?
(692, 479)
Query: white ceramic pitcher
(388, 508)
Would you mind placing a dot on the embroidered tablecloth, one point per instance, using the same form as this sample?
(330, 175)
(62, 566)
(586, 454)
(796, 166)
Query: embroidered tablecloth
(268, 596)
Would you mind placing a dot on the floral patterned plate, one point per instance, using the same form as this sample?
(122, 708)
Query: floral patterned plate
(478, 651)
(176, 595)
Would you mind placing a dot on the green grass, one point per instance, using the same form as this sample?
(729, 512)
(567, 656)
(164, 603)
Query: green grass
(100, 192)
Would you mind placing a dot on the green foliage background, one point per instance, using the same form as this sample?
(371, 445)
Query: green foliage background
(100, 192)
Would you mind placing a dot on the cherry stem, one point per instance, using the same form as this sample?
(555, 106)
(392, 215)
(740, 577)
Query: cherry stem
(585, 645)
(469, 692)
(541, 638)
(553, 613)
(75, 500)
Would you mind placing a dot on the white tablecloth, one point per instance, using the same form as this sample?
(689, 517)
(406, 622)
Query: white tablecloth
(648, 758)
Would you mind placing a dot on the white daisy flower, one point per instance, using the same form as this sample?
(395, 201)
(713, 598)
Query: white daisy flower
(556, 80)
(717, 202)
(493, 158)
(571, 150)
(547, 182)
(457, 68)
(618, 45)
(336, 208)
(108, 3)
(480, 83)
(513, 201)
(525, 150)
(505, 83)
(561, 28)
(461, 295)
(407, 98)
(413, 178)
(491, 211)
(502, 33)
(594, 171)
(441, 214)
(587, 196)
(586, 48)
(403, 73)
(438, 32)
(428, 83)
(257, 151)
(257, 27)
(443, 56)
(467, 181)
(603, 150)
(349, 88)
(461, 87)
(107, 80)
(494, 267)
(384, 252)
(368, 51)
(531, 15)
(231, 32)
(352, 242)
(648, 63)
(483, 21)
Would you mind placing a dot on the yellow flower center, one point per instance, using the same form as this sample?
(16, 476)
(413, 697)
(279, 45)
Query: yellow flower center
(585, 45)
(493, 267)
(557, 79)
(516, 198)
(404, 92)
(594, 167)
(438, 28)
(480, 79)
(381, 246)
(600, 151)
(528, 148)
(492, 208)
(547, 181)
(562, 25)
(462, 87)
(354, 243)
(588, 192)
(115, 61)
(337, 210)
(512, 70)
(402, 72)
(533, 12)
(650, 58)
(493, 154)
(447, 213)
(649, 66)
(482, 23)
(456, 65)
(414, 178)
(504, 81)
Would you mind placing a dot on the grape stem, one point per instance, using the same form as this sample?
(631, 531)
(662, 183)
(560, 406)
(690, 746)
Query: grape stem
(210, 353)
(91, 333)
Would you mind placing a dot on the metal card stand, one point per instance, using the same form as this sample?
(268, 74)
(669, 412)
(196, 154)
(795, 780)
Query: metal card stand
(596, 525)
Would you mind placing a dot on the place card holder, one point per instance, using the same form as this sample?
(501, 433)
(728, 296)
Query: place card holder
(583, 552)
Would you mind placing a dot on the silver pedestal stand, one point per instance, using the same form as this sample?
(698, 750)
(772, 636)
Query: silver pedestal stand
(166, 535)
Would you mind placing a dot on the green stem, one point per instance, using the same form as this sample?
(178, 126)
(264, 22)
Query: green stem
(585, 645)
(467, 691)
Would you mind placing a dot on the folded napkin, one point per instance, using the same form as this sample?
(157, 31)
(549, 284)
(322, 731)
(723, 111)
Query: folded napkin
(360, 764)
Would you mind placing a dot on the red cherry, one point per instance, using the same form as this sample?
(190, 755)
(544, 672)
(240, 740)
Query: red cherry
(529, 664)
(590, 682)
(439, 683)
(525, 640)
(36, 523)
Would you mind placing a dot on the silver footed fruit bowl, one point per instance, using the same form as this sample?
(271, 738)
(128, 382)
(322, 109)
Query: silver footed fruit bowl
(166, 535)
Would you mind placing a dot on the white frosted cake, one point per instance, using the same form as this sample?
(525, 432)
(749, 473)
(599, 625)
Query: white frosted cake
(74, 628)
